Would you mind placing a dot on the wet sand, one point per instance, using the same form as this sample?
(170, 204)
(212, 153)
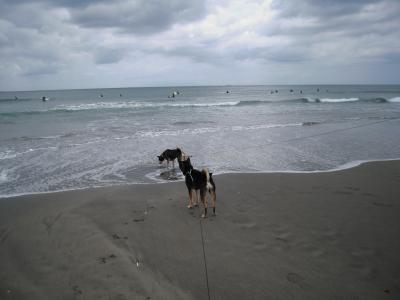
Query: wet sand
(332, 235)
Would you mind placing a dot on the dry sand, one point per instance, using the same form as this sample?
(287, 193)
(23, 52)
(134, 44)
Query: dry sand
(329, 235)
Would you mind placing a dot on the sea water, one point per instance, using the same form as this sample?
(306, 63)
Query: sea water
(99, 137)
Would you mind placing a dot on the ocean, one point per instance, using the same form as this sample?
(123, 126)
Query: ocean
(100, 137)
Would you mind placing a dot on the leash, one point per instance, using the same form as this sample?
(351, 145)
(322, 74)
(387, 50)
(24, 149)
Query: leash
(205, 261)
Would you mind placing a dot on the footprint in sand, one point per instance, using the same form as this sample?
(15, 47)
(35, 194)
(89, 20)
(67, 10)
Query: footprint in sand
(104, 260)
(4, 235)
(284, 242)
(281, 239)
(138, 220)
(117, 237)
(296, 279)
(77, 291)
(48, 222)
(352, 188)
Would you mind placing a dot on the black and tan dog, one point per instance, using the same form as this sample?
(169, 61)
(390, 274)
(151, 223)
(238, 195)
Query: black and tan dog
(170, 155)
(198, 180)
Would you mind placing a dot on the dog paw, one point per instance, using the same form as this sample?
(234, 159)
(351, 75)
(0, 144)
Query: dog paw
(190, 207)
(204, 216)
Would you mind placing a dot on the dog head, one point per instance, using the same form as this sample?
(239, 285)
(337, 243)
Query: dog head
(185, 165)
(160, 158)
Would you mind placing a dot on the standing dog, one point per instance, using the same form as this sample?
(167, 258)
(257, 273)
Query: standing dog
(198, 180)
(170, 155)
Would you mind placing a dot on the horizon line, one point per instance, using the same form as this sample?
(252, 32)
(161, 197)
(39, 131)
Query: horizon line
(200, 85)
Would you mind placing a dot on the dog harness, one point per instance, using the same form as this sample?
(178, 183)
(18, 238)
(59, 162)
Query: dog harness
(190, 174)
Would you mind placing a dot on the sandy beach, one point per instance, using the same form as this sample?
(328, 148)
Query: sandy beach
(332, 235)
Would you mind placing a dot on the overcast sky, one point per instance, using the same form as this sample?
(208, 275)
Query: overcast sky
(86, 44)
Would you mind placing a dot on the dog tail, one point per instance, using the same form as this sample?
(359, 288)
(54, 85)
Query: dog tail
(207, 175)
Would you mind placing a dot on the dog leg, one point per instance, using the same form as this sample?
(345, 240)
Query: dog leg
(203, 194)
(213, 200)
(196, 204)
(190, 199)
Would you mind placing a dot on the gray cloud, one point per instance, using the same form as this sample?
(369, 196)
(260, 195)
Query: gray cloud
(109, 56)
(53, 3)
(79, 38)
(353, 17)
(131, 16)
(139, 16)
(320, 8)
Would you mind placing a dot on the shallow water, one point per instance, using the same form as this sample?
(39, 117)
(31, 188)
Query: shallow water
(79, 138)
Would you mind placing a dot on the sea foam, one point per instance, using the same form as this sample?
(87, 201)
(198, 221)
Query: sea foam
(395, 99)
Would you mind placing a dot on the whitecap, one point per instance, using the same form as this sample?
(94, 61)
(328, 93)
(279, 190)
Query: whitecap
(134, 104)
(395, 99)
(3, 176)
(338, 100)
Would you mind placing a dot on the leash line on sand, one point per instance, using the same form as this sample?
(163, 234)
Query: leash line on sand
(205, 261)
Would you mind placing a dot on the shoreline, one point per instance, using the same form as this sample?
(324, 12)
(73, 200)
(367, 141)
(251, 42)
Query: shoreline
(346, 166)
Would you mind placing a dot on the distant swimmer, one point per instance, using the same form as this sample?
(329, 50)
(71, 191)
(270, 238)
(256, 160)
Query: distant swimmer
(301, 92)
(16, 98)
(45, 98)
(227, 92)
(120, 95)
(317, 90)
(174, 94)
(291, 90)
(101, 96)
(276, 91)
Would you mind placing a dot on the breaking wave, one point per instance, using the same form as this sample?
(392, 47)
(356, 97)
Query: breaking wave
(159, 105)
(132, 104)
